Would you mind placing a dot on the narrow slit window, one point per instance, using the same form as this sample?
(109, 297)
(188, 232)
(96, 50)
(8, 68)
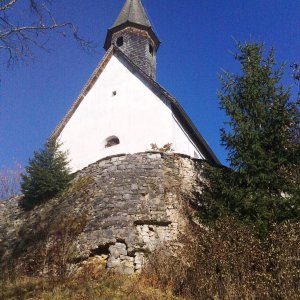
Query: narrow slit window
(120, 41)
(151, 50)
(112, 141)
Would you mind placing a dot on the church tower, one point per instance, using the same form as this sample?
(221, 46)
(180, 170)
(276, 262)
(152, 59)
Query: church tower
(132, 32)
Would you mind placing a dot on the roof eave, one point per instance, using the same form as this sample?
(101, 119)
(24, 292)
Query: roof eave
(122, 26)
(198, 138)
(97, 72)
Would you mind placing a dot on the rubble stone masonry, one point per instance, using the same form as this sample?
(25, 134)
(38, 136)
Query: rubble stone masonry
(136, 203)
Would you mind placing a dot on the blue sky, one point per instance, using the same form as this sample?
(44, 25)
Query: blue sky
(196, 36)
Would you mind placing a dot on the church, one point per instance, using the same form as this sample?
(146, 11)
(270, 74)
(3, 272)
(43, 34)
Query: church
(135, 199)
(122, 109)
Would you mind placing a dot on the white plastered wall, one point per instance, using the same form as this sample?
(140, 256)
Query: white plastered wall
(135, 115)
(182, 143)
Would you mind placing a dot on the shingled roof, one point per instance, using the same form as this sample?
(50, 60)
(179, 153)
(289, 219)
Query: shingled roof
(134, 12)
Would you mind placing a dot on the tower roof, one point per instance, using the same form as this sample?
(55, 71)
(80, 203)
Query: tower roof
(132, 14)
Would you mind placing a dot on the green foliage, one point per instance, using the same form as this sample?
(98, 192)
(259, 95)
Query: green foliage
(262, 139)
(47, 174)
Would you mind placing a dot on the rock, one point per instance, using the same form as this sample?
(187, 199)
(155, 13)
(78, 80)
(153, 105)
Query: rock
(113, 263)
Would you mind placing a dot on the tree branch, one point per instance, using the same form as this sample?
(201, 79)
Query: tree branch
(31, 28)
(8, 5)
(17, 41)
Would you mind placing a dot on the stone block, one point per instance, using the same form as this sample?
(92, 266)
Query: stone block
(113, 263)
(125, 269)
(127, 196)
(134, 186)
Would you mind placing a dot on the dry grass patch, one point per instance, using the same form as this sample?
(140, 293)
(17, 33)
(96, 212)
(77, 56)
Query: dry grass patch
(229, 262)
(105, 287)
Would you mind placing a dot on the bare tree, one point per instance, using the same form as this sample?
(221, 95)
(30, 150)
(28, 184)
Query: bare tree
(10, 182)
(24, 25)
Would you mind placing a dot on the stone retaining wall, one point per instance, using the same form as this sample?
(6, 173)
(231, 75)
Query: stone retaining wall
(135, 205)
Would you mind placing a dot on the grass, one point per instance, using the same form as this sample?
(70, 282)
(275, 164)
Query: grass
(105, 287)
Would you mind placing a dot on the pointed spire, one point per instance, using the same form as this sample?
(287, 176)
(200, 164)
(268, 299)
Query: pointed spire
(133, 12)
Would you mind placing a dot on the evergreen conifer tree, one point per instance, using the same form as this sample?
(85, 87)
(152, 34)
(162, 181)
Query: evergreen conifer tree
(262, 138)
(48, 174)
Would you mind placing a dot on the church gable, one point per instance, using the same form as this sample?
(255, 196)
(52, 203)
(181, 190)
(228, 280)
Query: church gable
(99, 69)
(118, 106)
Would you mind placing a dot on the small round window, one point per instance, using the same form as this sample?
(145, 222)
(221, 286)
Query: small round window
(112, 141)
